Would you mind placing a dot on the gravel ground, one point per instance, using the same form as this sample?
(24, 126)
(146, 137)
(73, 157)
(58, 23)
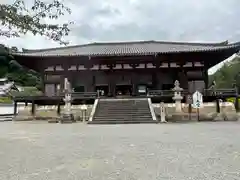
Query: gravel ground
(41, 151)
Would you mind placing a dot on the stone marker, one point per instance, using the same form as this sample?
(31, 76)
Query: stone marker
(162, 113)
(84, 112)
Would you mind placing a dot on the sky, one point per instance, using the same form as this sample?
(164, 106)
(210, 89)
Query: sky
(127, 20)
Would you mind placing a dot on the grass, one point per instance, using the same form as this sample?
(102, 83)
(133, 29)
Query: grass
(6, 100)
(232, 99)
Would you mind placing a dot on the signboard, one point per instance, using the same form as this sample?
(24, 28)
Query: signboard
(197, 100)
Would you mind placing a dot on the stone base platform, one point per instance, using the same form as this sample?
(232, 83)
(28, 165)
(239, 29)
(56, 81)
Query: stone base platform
(53, 121)
(67, 118)
(185, 117)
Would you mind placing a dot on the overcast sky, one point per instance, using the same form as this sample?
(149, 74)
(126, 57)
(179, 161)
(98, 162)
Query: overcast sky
(125, 20)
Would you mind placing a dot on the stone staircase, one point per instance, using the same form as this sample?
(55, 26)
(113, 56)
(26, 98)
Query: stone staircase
(6, 117)
(122, 111)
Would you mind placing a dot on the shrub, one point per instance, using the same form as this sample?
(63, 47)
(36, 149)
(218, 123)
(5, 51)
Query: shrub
(27, 91)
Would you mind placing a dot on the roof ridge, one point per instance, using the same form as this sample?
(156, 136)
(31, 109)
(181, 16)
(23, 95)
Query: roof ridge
(56, 48)
(126, 42)
(222, 43)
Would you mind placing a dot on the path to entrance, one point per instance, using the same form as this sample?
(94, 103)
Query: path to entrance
(36, 151)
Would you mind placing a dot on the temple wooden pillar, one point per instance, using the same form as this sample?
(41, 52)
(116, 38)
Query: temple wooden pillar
(15, 108)
(134, 85)
(183, 79)
(155, 74)
(59, 108)
(90, 83)
(133, 80)
(33, 109)
(205, 77)
(111, 86)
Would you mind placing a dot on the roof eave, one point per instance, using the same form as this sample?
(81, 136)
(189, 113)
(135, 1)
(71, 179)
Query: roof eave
(228, 47)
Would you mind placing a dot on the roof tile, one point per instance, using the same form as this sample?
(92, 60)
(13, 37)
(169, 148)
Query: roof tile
(129, 48)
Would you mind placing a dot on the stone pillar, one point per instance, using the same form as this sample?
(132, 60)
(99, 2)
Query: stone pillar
(177, 97)
(163, 113)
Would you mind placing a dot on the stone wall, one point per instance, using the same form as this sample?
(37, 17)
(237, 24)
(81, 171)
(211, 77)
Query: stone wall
(208, 108)
(49, 112)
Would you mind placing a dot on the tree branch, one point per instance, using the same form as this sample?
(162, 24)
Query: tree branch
(17, 16)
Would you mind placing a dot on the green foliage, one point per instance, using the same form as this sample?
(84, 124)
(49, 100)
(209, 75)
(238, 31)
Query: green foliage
(233, 99)
(6, 100)
(27, 91)
(228, 75)
(17, 18)
(15, 72)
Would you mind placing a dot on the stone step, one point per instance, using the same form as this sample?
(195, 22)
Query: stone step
(122, 111)
(123, 118)
(6, 118)
(128, 107)
(123, 122)
(119, 105)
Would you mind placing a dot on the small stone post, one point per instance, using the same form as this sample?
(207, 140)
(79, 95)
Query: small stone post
(177, 96)
(162, 113)
(84, 112)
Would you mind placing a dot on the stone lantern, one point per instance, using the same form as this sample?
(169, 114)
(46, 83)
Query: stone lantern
(67, 115)
(177, 96)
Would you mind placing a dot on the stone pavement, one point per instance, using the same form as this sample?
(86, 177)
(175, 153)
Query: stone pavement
(42, 151)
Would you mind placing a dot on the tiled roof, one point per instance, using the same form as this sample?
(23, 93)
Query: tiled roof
(129, 48)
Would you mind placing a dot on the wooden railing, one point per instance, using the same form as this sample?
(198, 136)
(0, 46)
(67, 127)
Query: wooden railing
(206, 92)
(220, 92)
(75, 95)
(164, 93)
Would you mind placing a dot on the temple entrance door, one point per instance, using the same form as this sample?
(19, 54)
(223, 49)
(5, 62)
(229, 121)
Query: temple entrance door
(102, 90)
(123, 90)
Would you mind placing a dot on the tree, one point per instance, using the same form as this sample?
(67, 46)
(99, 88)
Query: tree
(227, 75)
(17, 19)
(11, 69)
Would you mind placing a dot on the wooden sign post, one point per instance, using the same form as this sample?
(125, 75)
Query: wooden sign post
(197, 101)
